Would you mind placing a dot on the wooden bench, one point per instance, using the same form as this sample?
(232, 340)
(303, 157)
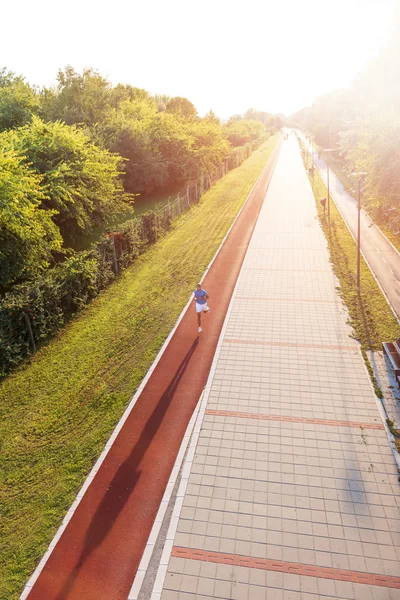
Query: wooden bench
(392, 351)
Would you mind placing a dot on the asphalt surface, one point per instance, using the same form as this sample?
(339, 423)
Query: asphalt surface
(98, 554)
(382, 257)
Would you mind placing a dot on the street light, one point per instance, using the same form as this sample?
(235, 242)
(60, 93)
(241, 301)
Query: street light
(361, 178)
(327, 151)
(310, 138)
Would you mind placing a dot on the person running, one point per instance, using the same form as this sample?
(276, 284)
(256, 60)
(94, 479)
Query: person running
(201, 297)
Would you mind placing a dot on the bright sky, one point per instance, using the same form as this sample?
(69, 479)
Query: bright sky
(221, 54)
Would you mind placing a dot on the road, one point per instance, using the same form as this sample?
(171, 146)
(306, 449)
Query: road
(383, 259)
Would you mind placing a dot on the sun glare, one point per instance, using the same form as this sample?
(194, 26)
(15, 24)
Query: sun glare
(223, 55)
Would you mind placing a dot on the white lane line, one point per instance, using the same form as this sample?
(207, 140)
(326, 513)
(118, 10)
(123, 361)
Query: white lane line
(378, 251)
(384, 260)
(391, 270)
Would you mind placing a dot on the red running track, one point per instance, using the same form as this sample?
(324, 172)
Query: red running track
(99, 552)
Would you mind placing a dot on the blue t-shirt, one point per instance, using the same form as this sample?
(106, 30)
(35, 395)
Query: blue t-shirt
(200, 296)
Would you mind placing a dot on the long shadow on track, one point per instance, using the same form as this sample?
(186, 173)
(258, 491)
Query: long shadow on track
(126, 477)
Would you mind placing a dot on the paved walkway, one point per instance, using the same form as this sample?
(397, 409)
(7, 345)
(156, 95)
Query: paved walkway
(290, 489)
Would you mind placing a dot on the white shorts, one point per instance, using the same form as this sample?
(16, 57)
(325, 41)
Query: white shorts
(202, 307)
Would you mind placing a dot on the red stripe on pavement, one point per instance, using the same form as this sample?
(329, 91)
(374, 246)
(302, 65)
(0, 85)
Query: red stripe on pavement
(288, 299)
(285, 270)
(244, 415)
(282, 566)
(288, 344)
(99, 552)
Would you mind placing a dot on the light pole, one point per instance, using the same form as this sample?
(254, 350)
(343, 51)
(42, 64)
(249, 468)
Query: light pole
(361, 178)
(311, 137)
(327, 151)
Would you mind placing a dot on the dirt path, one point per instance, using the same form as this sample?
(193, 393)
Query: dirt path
(99, 552)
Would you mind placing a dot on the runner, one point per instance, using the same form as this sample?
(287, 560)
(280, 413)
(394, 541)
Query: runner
(201, 297)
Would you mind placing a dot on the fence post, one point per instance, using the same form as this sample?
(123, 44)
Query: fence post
(28, 325)
(188, 195)
(115, 256)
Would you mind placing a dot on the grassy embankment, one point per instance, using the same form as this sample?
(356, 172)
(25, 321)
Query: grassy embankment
(58, 411)
(370, 314)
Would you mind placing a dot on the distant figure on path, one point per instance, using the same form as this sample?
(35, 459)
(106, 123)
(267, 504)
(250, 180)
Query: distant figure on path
(201, 297)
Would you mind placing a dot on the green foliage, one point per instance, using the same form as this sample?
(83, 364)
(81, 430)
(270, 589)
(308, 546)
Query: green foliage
(28, 235)
(161, 148)
(363, 123)
(243, 131)
(81, 182)
(77, 98)
(89, 148)
(372, 145)
(50, 301)
(182, 107)
(18, 101)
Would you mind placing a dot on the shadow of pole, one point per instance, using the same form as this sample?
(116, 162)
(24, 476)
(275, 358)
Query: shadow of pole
(125, 479)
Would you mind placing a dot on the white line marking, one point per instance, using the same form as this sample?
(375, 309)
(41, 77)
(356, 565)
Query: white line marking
(384, 260)
(391, 271)
(378, 251)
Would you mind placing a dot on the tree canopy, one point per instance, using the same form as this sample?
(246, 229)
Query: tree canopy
(28, 235)
(363, 124)
(74, 153)
(18, 101)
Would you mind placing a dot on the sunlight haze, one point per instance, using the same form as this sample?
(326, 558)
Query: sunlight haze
(225, 56)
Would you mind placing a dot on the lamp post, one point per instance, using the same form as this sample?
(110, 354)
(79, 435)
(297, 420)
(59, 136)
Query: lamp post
(327, 151)
(361, 178)
(311, 137)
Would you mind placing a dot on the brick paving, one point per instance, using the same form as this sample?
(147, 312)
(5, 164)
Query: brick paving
(292, 491)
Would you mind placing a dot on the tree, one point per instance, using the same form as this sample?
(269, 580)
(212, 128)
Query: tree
(120, 93)
(131, 131)
(77, 98)
(28, 235)
(182, 107)
(243, 131)
(18, 101)
(212, 117)
(80, 181)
